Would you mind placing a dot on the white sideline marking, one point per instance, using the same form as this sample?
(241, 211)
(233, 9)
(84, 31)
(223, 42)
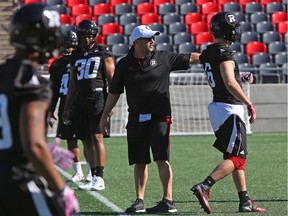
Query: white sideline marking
(98, 196)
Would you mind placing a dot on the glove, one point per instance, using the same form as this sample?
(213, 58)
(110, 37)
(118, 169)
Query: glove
(247, 77)
(50, 118)
(68, 201)
(61, 157)
(251, 113)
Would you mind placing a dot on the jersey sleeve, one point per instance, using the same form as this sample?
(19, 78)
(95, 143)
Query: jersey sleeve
(177, 61)
(117, 83)
(225, 54)
(30, 86)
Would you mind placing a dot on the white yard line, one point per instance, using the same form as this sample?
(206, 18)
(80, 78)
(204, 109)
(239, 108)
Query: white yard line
(98, 196)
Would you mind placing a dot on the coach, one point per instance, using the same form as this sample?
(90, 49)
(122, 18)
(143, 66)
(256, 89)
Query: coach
(144, 73)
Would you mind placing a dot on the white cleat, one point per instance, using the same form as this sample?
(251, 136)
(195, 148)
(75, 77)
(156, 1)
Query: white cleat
(97, 184)
(77, 178)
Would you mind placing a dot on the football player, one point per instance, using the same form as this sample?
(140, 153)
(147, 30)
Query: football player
(59, 77)
(92, 66)
(29, 181)
(226, 111)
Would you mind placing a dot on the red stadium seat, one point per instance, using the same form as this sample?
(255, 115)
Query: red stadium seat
(111, 28)
(279, 16)
(198, 27)
(203, 37)
(100, 39)
(150, 18)
(82, 17)
(146, 7)
(255, 47)
(102, 8)
(158, 2)
(80, 9)
(71, 3)
(210, 7)
(200, 2)
(66, 19)
(282, 28)
(192, 18)
(116, 2)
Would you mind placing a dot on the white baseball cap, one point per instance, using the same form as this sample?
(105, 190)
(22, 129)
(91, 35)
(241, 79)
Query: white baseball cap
(142, 31)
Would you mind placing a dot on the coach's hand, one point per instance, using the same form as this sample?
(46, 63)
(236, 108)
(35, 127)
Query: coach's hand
(251, 113)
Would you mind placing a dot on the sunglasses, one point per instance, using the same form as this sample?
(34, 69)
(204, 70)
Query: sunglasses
(148, 39)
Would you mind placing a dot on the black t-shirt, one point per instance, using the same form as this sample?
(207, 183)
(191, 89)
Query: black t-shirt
(147, 86)
(20, 83)
(211, 58)
(59, 78)
(90, 68)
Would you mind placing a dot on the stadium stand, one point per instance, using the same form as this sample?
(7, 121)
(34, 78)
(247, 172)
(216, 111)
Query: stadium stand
(184, 25)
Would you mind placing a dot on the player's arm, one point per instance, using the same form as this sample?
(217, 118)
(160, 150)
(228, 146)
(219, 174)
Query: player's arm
(70, 95)
(227, 73)
(109, 68)
(32, 132)
(194, 58)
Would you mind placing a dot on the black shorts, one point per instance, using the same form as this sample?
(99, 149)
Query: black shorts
(24, 193)
(88, 111)
(154, 133)
(66, 132)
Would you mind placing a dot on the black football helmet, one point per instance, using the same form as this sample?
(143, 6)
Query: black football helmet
(67, 39)
(35, 27)
(84, 29)
(225, 25)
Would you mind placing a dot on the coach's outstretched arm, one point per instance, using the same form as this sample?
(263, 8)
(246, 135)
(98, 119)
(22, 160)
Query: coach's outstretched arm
(194, 58)
(110, 103)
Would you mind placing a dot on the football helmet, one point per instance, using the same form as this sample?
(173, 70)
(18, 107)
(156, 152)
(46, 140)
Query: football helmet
(86, 32)
(35, 27)
(225, 25)
(67, 40)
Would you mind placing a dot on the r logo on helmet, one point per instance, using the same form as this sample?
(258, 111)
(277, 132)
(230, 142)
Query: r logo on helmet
(231, 18)
(52, 18)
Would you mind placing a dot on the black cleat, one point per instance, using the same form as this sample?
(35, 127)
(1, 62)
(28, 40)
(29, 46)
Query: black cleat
(136, 207)
(164, 206)
(202, 192)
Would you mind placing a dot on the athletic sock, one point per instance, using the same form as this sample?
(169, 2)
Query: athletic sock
(100, 171)
(209, 181)
(243, 196)
(77, 168)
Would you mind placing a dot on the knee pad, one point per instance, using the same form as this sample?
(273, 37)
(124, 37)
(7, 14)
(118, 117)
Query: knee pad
(239, 162)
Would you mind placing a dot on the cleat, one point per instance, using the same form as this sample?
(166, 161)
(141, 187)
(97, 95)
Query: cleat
(136, 207)
(76, 178)
(97, 184)
(164, 206)
(202, 192)
(250, 206)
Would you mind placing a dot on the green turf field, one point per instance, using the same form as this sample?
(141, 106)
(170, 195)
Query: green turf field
(192, 159)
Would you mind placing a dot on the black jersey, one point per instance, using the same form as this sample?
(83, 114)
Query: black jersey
(147, 86)
(211, 59)
(90, 68)
(20, 83)
(59, 77)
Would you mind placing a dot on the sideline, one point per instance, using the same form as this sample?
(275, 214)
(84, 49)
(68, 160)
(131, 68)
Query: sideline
(98, 196)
